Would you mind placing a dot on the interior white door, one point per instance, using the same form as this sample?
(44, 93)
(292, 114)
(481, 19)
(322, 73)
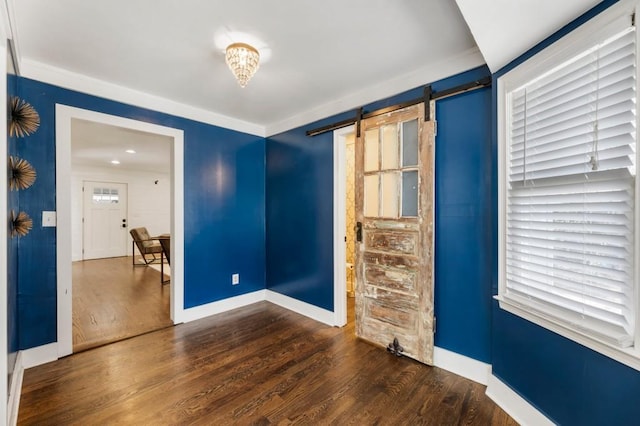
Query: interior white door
(105, 226)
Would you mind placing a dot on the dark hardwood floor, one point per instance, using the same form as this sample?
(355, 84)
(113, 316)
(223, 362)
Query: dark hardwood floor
(112, 300)
(260, 364)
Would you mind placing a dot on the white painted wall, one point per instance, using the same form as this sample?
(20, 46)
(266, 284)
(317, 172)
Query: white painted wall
(149, 203)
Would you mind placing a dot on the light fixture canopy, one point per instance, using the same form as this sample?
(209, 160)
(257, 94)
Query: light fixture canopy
(243, 60)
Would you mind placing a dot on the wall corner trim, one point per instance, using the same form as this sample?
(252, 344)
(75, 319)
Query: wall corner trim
(517, 407)
(15, 390)
(302, 308)
(461, 365)
(219, 306)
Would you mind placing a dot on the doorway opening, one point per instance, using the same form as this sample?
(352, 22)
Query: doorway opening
(344, 225)
(120, 182)
(107, 266)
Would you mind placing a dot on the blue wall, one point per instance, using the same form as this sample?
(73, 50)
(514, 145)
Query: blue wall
(224, 202)
(464, 214)
(299, 214)
(299, 217)
(568, 382)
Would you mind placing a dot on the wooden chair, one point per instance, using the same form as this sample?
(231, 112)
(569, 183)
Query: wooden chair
(165, 243)
(147, 246)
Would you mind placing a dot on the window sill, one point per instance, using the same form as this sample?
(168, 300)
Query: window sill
(627, 356)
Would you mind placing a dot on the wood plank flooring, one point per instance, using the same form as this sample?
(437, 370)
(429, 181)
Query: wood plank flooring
(260, 364)
(112, 300)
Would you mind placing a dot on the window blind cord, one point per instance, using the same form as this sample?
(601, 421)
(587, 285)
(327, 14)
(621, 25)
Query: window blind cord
(524, 155)
(594, 151)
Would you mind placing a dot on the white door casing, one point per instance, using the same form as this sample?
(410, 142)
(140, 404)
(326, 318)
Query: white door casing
(64, 116)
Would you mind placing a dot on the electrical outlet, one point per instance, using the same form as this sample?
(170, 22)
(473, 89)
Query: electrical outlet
(235, 279)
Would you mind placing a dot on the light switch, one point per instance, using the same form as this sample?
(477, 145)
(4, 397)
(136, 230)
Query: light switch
(48, 219)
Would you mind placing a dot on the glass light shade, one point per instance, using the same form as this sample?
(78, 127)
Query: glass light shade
(243, 61)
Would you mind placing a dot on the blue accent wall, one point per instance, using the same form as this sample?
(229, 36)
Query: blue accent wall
(568, 382)
(299, 217)
(464, 215)
(299, 214)
(224, 202)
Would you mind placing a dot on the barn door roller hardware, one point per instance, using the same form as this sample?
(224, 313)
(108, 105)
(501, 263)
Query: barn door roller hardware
(427, 95)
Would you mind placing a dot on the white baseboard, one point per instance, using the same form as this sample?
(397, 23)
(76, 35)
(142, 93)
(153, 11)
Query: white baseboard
(516, 406)
(220, 306)
(15, 389)
(302, 308)
(461, 365)
(39, 355)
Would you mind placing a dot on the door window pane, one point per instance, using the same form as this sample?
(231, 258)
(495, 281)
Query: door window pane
(389, 190)
(105, 196)
(371, 201)
(114, 198)
(410, 193)
(371, 150)
(410, 143)
(390, 151)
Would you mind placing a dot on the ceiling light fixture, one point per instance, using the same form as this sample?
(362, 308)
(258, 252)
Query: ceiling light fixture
(130, 151)
(115, 162)
(243, 61)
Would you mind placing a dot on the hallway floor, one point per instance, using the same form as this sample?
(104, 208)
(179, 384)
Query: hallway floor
(113, 300)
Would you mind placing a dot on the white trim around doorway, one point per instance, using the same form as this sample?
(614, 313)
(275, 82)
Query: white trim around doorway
(339, 225)
(64, 115)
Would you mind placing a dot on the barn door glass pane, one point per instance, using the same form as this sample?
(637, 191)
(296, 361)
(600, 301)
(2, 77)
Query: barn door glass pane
(410, 193)
(371, 150)
(389, 189)
(410, 143)
(390, 151)
(371, 198)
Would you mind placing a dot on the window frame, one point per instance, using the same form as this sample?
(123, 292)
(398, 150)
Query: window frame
(577, 41)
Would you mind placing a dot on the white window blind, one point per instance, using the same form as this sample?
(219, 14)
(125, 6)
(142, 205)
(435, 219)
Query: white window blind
(570, 191)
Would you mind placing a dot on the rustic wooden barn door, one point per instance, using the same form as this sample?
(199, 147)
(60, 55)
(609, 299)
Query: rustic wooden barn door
(394, 213)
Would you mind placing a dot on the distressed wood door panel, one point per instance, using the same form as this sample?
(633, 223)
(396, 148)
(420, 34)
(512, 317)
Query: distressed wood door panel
(394, 259)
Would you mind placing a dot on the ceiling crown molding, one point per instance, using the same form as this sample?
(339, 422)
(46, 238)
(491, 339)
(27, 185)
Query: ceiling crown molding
(81, 83)
(401, 83)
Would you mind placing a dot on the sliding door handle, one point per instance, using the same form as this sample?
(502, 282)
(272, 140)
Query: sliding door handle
(359, 232)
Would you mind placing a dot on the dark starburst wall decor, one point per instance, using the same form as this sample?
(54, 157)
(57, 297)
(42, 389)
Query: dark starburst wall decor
(21, 224)
(21, 173)
(23, 118)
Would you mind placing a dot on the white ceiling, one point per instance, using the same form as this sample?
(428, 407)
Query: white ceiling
(318, 58)
(318, 52)
(505, 29)
(96, 145)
